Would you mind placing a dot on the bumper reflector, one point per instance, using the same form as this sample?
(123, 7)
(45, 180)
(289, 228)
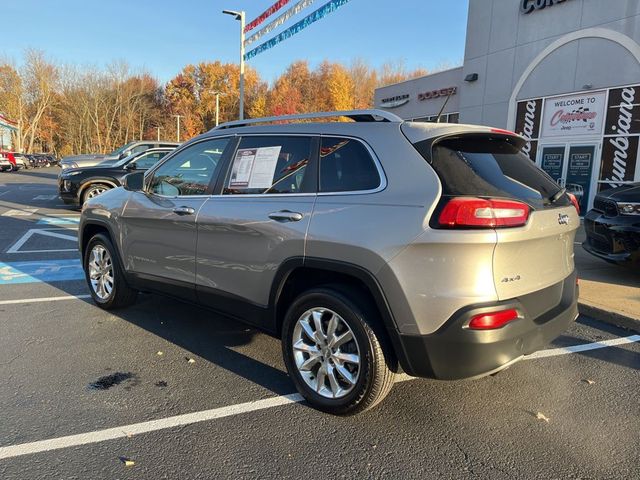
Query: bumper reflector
(493, 320)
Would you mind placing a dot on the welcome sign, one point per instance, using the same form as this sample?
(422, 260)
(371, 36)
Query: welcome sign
(574, 115)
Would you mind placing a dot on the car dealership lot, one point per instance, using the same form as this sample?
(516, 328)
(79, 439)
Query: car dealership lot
(71, 369)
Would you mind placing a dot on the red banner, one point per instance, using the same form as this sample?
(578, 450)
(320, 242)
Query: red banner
(266, 14)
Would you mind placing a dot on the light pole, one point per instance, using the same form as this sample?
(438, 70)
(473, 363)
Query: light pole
(240, 16)
(217, 94)
(217, 108)
(178, 117)
(158, 133)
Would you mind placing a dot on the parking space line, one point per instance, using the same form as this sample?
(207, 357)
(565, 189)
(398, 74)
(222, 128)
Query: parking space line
(145, 427)
(127, 431)
(554, 352)
(59, 220)
(47, 232)
(43, 299)
(17, 212)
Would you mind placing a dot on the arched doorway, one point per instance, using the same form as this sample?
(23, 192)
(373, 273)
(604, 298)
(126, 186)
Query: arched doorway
(578, 104)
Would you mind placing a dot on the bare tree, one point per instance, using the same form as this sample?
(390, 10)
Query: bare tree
(40, 79)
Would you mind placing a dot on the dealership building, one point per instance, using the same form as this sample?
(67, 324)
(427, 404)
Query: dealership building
(565, 74)
(6, 128)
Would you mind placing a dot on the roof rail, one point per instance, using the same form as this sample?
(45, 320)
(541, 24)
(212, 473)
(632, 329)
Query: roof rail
(355, 115)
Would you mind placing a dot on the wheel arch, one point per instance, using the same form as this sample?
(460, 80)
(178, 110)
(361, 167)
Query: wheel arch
(95, 181)
(297, 275)
(89, 229)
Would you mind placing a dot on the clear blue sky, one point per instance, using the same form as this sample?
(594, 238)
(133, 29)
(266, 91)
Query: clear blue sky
(162, 36)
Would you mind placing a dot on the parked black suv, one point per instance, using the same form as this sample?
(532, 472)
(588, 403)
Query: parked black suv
(613, 225)
(76, 185)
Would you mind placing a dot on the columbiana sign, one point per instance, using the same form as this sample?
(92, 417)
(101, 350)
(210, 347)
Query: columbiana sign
(529, 6)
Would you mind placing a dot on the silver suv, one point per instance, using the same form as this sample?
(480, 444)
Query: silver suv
(368, 247)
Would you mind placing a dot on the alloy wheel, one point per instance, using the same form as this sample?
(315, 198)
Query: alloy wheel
(326, 353)
(95, 191)
(101, 272)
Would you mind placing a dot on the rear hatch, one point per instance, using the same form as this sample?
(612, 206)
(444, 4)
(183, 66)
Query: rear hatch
(488, 182)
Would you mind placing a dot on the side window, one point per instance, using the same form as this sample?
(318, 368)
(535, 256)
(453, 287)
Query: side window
(139, 148)
(190, 172)
(145, 162)
(269, 165)
(346, 166)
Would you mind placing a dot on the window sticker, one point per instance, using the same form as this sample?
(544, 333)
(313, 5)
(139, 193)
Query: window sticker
(242, 166)
(254, 167)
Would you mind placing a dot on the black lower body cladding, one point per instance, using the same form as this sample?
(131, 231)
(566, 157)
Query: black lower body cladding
(455, 352)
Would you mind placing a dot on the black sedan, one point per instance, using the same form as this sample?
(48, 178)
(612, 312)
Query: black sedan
(76, 185)
(613, 226)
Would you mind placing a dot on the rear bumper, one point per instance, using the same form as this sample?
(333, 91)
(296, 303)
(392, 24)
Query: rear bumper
(455, 352)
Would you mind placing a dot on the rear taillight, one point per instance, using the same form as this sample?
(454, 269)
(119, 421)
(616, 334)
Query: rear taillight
(480, 212)
(574, 200)
(493, 320)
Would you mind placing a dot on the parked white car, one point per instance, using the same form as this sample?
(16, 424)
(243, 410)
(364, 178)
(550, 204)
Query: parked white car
(5, 165)
(21, 162)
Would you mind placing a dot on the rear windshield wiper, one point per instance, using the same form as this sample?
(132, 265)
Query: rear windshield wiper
(558, 195)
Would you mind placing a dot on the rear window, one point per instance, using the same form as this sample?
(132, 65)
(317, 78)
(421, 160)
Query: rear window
(346, 166)
(490, 167)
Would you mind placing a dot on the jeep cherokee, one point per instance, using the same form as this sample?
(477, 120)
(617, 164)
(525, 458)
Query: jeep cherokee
(368, 247)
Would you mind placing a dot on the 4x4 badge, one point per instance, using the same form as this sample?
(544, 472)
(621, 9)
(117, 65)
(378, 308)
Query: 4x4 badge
(563, 219)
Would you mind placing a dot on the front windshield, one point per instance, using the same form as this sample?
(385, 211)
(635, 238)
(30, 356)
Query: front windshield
(120, 150)
(122, 162)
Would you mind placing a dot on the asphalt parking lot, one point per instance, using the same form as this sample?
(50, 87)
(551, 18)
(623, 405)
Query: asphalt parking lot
(183, 393)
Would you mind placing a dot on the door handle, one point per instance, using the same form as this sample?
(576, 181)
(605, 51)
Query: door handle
(184, 211)
(286, 216)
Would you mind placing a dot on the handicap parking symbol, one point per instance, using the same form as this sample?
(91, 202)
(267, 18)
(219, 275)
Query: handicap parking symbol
(40, 271)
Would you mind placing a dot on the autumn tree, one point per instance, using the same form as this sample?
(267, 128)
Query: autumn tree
(365, 81)
(39, 80)
(67, 109)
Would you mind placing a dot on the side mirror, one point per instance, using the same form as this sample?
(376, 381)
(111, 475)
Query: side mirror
(131, 166)
(123, 155)
(133, 182)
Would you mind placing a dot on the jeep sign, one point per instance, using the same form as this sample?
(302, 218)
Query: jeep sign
(528, 6)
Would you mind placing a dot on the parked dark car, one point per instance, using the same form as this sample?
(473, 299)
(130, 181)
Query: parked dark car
(34, 161)
(53, 160)
(613, 226)
(76, 185)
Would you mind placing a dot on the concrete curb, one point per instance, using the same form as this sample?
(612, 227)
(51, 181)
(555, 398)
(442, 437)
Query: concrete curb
(614, 318)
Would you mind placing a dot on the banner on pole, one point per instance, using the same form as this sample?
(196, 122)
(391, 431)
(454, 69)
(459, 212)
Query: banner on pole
(266, 14)
(297, 8)
(319, 14)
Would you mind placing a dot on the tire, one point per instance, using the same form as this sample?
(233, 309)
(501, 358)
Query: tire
(371, 379)
(115, 293)
(93, 191)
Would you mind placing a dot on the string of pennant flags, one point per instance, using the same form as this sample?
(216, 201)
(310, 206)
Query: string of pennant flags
(319, 14)
(297, 8)
(264, 15)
